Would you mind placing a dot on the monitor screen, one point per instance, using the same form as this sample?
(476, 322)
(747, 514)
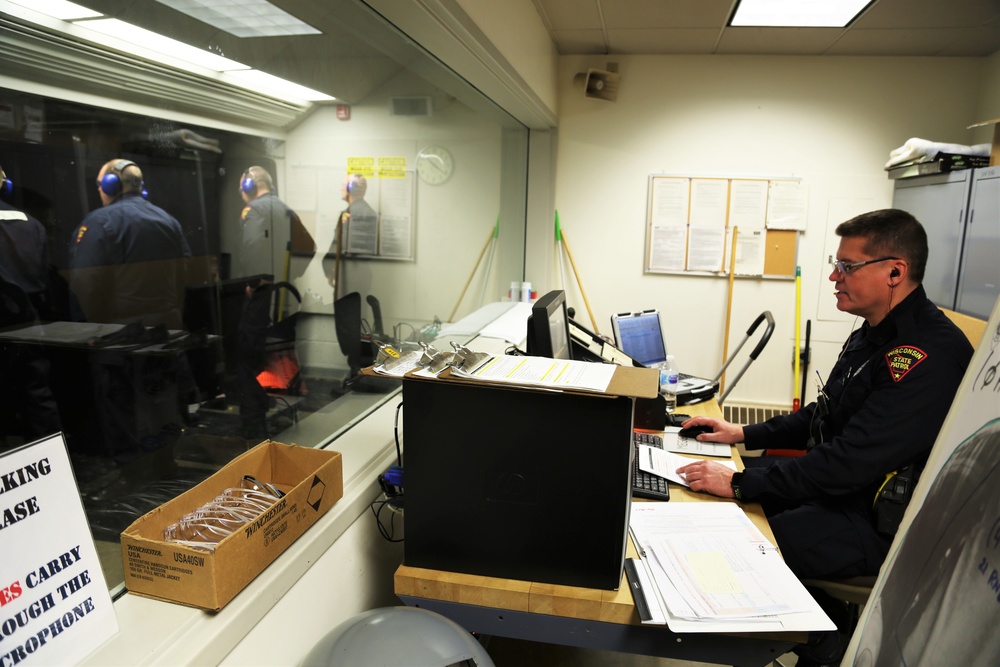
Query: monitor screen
(548, 327)
(639, 336)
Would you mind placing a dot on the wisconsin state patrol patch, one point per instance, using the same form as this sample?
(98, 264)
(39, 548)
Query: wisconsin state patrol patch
(80, 232)
(903, 359)
(244, 213)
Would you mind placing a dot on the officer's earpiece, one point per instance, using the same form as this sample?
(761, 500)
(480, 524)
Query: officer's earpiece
(111, 184)
(894, 273)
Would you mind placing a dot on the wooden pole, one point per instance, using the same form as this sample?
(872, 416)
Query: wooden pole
(798, 325)
(489, 240)
(729, 306)
(569, 253)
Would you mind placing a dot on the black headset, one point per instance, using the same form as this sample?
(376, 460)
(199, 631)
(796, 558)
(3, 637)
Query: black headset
(111, 183)
(894, 273)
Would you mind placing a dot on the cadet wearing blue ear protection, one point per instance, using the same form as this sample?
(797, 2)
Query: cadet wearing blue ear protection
(120, 178)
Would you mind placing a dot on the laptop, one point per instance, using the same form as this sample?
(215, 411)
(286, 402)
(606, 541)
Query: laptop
(640, 336)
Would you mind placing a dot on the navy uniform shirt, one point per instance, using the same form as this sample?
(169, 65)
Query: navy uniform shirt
(126, 264)
(24, 253)
(886, 400)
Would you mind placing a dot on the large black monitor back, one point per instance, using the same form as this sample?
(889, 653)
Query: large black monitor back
(513, 483)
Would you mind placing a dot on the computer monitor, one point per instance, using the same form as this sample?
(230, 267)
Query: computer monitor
(548, 327)
(640, 336)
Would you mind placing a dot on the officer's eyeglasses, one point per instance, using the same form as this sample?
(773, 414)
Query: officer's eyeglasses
(845, 269)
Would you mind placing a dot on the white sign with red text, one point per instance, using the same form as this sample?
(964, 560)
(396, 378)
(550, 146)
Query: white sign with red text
(54, 602)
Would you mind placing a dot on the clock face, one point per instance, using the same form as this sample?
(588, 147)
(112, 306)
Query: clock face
(434, 165)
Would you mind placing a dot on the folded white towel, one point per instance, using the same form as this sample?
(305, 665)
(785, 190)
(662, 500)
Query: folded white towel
(916, 148)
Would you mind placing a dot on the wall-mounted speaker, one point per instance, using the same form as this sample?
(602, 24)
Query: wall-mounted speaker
(600, 84)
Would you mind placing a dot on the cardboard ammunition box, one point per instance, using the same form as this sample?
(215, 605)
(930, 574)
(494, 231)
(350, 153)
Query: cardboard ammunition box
(995, 150)
(312, 479)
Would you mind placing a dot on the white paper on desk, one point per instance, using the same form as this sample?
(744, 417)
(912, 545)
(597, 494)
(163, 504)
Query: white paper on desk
(756, 576)
(665, 464)
(543, 372)
(673, 442)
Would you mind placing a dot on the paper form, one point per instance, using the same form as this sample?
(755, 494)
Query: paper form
(665, 463)
(673, 442)
(543, 372)
(714, 571)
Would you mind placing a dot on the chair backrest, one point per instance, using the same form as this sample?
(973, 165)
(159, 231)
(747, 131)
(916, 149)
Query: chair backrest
(972, 327)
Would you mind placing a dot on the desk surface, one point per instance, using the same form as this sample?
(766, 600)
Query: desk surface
(441, 591)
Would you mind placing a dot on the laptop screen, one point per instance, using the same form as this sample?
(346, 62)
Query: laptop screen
(639, 336)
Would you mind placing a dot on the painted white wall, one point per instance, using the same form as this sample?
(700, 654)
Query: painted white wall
(830, 121)
(517, 31)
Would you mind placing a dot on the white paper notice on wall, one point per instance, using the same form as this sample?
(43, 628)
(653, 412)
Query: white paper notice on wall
(787, 203)
(55, 608)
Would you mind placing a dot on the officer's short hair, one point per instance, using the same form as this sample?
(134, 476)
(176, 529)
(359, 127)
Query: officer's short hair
(890, 232)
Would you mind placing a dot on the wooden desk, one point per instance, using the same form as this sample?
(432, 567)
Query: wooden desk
(586, 617)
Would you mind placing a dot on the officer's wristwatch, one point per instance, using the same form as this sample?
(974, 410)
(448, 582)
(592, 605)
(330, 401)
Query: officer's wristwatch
(735, 484)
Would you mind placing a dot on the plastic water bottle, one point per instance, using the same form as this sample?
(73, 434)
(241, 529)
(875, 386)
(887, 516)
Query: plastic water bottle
(668, 382)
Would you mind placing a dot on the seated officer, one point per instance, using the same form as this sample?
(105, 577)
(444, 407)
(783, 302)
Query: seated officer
(887, 397)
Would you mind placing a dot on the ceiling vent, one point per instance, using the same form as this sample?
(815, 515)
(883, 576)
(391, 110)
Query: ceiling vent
(411, 106)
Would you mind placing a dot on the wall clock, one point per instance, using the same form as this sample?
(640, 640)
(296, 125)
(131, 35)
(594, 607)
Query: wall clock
(434, 165)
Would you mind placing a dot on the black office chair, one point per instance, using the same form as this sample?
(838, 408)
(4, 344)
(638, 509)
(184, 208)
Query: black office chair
(358, 346)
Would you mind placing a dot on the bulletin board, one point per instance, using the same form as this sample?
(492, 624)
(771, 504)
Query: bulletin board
(691, 222)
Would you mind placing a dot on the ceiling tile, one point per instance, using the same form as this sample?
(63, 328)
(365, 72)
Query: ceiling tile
(580, 42)
(570, 14)
(895, 14)
(912, 42)
(661, 41)
(778, 41)
(665, 13)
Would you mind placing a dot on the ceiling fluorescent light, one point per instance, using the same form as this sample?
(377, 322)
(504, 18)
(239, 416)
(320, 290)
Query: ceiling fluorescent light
(281, 88)
(796, 13)
(171, 48)
(58, 9)
(246, 18)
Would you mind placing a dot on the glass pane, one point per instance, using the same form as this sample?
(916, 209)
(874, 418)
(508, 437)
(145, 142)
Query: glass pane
(214, 260)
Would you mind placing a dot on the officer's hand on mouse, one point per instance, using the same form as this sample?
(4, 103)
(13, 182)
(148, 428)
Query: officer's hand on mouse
(712, 429)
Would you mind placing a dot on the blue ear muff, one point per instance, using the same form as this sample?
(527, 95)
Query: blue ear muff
(248, 185)
(6, 187)
(111, 184)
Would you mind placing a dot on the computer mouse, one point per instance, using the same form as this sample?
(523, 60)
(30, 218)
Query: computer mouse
(694, 431)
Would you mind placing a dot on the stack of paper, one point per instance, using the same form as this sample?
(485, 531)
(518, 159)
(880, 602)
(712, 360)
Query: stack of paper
(542, 372)
(706, 568)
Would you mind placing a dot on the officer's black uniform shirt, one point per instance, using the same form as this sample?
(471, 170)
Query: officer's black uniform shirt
(24, 254)
(886, 399)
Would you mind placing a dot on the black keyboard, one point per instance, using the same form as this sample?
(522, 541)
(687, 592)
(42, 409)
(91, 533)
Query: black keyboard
(644, 484)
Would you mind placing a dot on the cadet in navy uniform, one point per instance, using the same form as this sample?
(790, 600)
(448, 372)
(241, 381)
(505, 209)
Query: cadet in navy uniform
(127, 267)
(125, 256)
(24, 267)
(886, 399)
